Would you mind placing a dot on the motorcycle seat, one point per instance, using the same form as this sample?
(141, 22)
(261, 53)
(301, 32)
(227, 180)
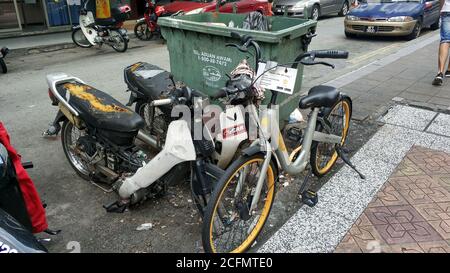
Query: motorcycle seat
(105, 22)
(147, 79)
(99, 109)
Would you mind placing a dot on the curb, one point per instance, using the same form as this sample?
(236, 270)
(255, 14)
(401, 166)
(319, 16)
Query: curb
(50, 48)
(41, 49)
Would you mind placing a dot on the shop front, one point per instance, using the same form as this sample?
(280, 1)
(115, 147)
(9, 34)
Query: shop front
(30, 16)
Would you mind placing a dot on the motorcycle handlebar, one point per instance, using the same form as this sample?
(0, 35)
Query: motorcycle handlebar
(222, 93)
(161, 102)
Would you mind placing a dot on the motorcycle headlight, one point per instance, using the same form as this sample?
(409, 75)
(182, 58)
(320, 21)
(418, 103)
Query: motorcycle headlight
(400, 19)
(352, 18)
(195, 11)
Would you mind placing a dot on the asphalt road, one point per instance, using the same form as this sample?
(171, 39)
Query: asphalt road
(74, 205)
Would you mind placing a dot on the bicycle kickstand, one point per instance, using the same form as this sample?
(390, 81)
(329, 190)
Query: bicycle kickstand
(309, 197)
(344, 157)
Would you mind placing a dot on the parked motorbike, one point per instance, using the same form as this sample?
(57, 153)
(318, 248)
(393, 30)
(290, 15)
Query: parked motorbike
(99, 139)
(108, 31)
(147, 26)
(147, 83)
(21, 210)
(3, 52)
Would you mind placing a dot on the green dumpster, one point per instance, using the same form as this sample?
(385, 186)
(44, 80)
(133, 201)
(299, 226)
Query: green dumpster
(199, 58)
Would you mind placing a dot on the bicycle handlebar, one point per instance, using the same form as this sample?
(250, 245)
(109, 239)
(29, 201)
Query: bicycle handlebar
(331, 54)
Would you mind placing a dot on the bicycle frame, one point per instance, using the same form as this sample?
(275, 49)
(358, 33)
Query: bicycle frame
(267, 125)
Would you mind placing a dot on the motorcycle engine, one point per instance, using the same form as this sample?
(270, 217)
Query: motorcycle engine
(87, 144)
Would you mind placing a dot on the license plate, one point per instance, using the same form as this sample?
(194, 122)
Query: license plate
(371, 29)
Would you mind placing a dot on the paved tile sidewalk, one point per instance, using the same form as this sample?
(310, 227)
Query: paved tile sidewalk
(411, 212)
(402, 205)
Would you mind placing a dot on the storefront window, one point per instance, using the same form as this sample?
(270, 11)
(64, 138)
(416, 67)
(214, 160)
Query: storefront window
(8, 15)
(58, 13)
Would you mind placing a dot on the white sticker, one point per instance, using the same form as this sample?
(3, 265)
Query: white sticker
(280, 79)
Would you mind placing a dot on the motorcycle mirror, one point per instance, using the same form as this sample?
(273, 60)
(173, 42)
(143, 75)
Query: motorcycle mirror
(3, 160)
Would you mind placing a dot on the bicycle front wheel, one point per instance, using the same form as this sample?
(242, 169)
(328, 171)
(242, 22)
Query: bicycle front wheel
(324, 155)
(229, 225)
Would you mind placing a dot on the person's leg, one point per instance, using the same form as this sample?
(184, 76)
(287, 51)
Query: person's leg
(443, 56)
(443, 48)
(447, 73)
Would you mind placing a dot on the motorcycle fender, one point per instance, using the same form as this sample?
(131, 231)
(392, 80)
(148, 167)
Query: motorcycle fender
(178, 148)
(140, 20)
(15, 238)
(233, 133)
(85, 22)
(124, 34)
(69, 116)
(252, 150)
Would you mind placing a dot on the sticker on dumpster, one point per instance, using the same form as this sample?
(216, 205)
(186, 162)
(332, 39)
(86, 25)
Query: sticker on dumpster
(211, 73)
(211, 58)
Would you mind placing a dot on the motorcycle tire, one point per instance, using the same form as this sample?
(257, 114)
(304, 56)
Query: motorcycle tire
(124, 41)
(3, 66)
(74, 160)
(142, 32)
(85, 44)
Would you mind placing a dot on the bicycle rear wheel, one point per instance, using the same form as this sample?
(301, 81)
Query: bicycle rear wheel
(324, 155)
(228, 224)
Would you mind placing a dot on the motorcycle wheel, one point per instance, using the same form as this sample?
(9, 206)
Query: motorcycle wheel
(142, 31)
(154, 126)
(69, 137)
(79, 39)
(120, 43)
(3, 66)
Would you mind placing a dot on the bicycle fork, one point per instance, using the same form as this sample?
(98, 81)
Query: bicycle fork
(262, 176)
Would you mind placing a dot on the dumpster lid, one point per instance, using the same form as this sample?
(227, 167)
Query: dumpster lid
(210, 25)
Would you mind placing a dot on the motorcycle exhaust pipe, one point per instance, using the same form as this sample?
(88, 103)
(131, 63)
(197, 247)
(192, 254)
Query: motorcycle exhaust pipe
(150, 140)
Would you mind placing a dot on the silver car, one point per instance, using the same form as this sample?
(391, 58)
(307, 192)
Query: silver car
(314, 8)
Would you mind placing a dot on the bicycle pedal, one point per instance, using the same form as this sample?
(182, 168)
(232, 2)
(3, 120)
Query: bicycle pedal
(294, 134)
(310, 198)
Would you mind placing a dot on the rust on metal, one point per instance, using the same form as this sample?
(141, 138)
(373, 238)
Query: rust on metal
(80, 91)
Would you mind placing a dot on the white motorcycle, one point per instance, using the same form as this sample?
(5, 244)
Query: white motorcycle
(92, 31)
(99, 139)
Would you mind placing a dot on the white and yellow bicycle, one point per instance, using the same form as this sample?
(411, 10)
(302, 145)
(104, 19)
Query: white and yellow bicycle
(243, 197)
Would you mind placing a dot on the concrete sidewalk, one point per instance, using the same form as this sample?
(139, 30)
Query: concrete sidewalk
(405, 76)
(50, 39)
(42, 40)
